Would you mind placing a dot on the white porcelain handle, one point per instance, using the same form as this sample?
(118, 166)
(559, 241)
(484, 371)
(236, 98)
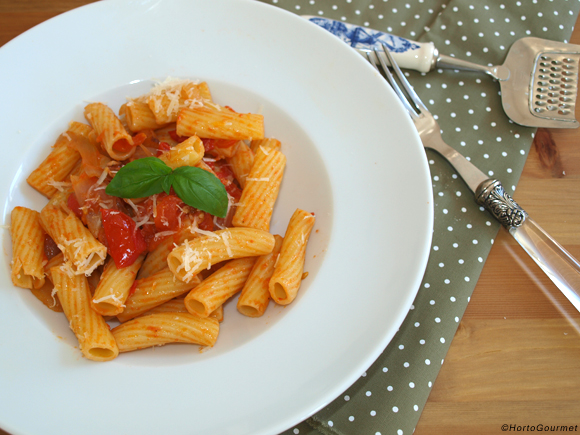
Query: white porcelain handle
(420, 56)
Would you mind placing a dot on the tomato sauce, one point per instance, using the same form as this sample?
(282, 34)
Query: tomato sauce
(125, 241)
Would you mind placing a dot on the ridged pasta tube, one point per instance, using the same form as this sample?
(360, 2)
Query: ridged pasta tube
(219, 287)
(55, 168)
(191, 257)
(95, 339)
(261, 191)
(287, 275)
(114, 139)
(242, 162)
(82, 251)
(153, 291)
(139, 116)
(114, 286)
(187, 153)
(168, 98)
(215, 122)
(162, 328)
(177, 305)
(255, 295)
(27, 248)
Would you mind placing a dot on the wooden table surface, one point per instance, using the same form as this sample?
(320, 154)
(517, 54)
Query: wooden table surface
(515, 359)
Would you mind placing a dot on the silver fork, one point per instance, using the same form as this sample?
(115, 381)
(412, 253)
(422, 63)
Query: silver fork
(553, 259)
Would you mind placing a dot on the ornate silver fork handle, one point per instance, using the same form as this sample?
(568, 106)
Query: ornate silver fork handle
(560, 266)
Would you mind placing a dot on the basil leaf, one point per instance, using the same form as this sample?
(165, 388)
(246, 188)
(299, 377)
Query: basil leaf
(139, 178)
(201, 189)
(167, 182)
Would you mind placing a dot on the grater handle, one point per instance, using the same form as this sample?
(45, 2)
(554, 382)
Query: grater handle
(498, 72)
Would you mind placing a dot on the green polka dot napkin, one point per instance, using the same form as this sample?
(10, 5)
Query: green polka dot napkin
(389, 397)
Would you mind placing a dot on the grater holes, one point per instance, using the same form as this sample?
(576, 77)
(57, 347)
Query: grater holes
(554, 85)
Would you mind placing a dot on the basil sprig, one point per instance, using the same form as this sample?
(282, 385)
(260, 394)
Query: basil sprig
(147, 176)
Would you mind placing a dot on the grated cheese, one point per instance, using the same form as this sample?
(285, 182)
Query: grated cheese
(194, 229)
(144, 221)
(52, 294)
(225, 235)
(163, 234)
(221, 227)
(66, 268)
(190, 256)
(258, 179)
(132, 204)
(102, 177)
(59, 185)
(215, 106)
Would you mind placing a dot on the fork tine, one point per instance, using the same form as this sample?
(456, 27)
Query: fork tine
(403, 79)
(391, 80)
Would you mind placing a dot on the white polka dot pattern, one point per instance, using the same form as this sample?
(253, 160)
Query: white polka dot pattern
(389, 397)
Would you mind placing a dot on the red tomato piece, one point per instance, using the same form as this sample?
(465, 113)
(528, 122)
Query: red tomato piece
(168, 213)
(73, 203)
(133, 288)
(124, 239)
(173, 135)
(226, 176)
(139, 138)
(163, 146)
(207, 223)
(210, 144)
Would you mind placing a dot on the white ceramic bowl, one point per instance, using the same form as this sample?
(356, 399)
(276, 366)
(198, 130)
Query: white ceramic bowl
(354, 159)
